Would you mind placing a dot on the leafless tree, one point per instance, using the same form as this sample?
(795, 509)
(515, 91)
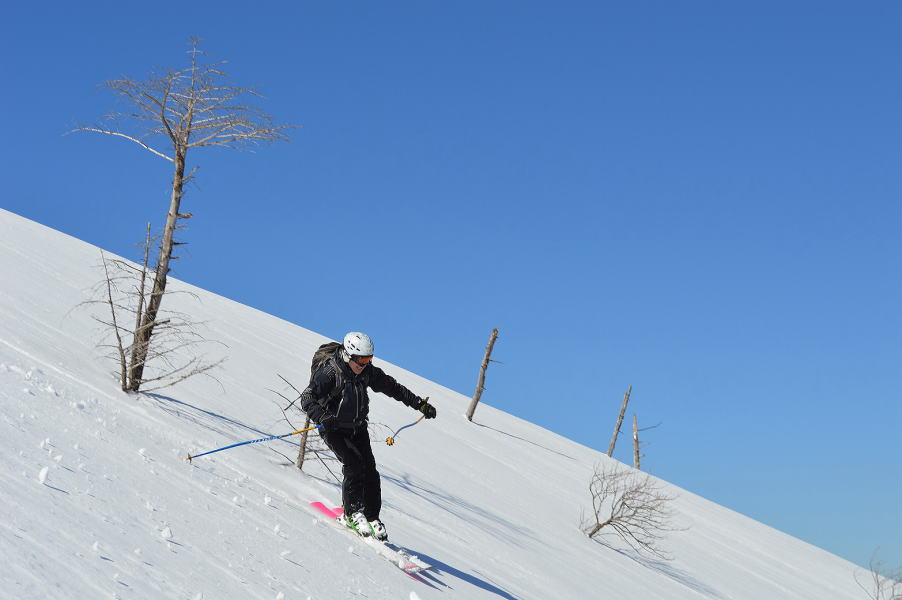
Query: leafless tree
(636, 455)
(880, 584)
(178, 350)
(637, 445)
(170, 114)
(480, 382)
(631, 506)
(623, 405)
(308, 445)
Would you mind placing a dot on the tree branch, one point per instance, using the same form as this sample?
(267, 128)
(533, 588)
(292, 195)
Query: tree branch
(122, 135)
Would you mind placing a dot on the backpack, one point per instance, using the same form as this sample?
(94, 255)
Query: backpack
(322, 354)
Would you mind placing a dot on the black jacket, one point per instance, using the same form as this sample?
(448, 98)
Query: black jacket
(335, 390)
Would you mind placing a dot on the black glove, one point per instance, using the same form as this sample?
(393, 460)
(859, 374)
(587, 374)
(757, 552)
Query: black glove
(327, 422)
(427, 409)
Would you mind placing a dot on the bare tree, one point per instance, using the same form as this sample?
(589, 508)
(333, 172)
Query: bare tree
(881, 584)
(171, 114)
(636, 456)
(637, 446)
(480, 383)
(632, 506)
(626, 399)
(307, 447)
(178, 349)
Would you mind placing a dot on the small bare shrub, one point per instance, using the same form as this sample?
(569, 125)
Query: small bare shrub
(881, 584)
(632, 506)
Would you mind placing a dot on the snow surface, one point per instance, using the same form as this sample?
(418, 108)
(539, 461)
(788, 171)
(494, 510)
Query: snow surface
(96, 500)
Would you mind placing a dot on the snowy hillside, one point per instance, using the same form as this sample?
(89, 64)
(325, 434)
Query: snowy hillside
(96, 500)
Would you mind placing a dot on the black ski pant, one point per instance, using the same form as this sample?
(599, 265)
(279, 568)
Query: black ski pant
(361, 489)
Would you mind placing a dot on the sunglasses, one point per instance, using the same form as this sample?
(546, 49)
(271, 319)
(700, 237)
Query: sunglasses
(362, 360)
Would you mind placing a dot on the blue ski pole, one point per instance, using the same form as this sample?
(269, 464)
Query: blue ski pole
(266, 439)
(390, 440)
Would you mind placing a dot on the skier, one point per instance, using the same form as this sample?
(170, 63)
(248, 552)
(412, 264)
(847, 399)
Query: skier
(337, 401)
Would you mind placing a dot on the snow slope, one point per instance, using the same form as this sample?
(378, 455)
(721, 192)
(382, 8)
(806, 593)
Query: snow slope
(96, 500)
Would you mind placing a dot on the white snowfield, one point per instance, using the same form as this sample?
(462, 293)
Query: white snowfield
(97, 501)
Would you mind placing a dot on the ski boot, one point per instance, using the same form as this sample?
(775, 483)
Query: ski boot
(358, 523)
(378, 530)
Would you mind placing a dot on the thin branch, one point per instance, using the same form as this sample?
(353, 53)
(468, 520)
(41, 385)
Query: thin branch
(128, 137)
(881, 585)
(123, 366)
(292, 387)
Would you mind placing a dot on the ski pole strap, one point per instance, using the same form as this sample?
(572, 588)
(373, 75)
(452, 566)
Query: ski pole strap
(266, 439)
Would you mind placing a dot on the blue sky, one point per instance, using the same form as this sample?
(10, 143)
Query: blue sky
(698, 199)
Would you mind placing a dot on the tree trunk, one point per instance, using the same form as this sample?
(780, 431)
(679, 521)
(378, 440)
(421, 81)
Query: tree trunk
(303, 450)
(148, 320)
(635, 443)
(626, 399)
(480, 383)
(598, 527)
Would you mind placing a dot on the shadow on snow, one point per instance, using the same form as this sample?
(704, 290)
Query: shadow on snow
(431, 577)
(666, 568)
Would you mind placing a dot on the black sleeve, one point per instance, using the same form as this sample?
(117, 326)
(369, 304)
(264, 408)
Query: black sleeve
(316, 395)
(385, 384)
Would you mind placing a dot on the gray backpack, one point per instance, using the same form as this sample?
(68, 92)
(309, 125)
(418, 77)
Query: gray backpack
(320, 357)
(322, 354)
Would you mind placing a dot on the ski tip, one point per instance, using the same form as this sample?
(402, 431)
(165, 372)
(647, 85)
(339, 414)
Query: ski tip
(329, 512)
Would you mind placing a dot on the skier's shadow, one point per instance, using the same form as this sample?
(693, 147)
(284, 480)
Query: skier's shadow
(431, 577)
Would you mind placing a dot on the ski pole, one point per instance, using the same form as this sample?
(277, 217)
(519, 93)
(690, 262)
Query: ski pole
(390, 440)
(266, 439)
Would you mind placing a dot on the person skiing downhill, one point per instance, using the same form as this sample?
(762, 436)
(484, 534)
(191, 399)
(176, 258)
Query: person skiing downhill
(336, 399)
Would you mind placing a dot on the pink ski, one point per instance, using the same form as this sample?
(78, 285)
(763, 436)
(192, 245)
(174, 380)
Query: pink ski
(329, 512)
(398, 556)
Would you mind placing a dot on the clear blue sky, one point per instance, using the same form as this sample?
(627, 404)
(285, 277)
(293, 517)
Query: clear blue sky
(700, 199)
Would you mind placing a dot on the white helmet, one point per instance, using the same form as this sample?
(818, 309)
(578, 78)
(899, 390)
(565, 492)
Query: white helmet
(358, 344)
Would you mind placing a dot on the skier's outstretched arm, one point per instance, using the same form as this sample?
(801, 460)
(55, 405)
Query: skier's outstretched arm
(384, 383)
